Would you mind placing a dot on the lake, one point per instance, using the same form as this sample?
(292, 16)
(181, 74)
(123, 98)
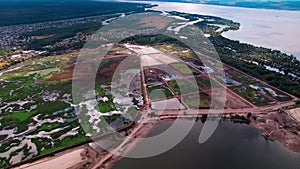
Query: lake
(232, 146)
(275, 29)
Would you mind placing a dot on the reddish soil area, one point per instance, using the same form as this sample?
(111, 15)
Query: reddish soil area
(60, 76)
(232, 101)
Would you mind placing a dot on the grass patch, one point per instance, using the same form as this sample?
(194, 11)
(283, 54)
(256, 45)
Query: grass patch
(112, 118)
(183, 87)
(206, 83)
(22, 116)
(159, 92)
(49, 126)
(105, 107)
(251, 95)
(183, 68)
(194, 102)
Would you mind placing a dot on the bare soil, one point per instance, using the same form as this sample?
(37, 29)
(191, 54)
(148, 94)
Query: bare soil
(158, 22)
(280, 127)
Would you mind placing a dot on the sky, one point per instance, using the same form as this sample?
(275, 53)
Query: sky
(193, 0)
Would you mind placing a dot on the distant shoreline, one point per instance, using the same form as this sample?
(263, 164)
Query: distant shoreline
(275, 29)
(289, 6)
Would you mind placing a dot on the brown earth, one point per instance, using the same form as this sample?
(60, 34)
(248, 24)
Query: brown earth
(232, 101)
(280, 127)
(158, 22)
(61, 76)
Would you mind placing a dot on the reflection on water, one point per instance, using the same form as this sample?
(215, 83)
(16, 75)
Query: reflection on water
(232, 146)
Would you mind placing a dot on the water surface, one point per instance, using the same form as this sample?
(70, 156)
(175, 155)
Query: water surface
(232, 146)
(275, 29)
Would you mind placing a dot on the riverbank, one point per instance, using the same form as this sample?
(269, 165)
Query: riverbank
(233, 145)
(281, 127)
(272, 121)
(274, 29)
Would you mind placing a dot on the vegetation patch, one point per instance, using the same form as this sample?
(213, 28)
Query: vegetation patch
(251, 95)
(206, 83)
(202, 101)
(159, 92)
(185, 69)
(182, 87)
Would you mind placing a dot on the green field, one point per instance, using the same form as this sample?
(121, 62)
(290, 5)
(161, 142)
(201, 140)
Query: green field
(206, 83)
(182, 87)
(185, 69)
(261, 96)
(159, 92)
(202, 101)
(251, 95)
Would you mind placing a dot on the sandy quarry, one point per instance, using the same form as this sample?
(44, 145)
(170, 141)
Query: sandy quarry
(295, 113)
(280, 127)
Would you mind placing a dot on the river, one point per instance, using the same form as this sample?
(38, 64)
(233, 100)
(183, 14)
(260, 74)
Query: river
(275, 29)
(232, 146)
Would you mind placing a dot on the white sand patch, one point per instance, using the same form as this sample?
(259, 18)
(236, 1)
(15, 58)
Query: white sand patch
(170, 104)
(65, 161)
(183, 37)
(149, 50)
(207, 35)
(72, 132)
(163, 58)
(149, 61)
(156, 59)
(16, 158)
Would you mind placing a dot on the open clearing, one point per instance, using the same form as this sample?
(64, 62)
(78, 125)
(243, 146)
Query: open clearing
(158, 22)
(156, 59)
(170, 104)
(295, 113)
(64, 161)
(232, 101)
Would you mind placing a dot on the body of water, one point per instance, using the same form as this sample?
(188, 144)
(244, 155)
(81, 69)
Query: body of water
(275, 29)
(232, 146)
